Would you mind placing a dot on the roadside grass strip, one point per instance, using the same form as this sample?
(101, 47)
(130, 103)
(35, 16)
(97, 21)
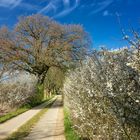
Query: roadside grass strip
(13, 114)
(19, 111)
(69, 132)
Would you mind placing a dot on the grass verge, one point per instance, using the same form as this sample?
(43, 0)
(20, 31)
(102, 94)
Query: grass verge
(10, 115)
(25, 129)
(19, 111)
(69, 132)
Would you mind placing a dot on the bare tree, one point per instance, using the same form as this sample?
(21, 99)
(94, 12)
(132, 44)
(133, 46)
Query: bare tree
(38, 42)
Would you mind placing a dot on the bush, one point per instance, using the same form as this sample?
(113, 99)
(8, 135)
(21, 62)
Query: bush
(103, 96)
(38, 95)
(16, 91)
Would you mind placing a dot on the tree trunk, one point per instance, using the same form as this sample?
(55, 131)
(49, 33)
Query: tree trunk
(40, 83)
(41, 78)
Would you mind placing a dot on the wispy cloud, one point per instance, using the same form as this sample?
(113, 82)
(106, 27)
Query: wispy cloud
(107, 13)
(60, 7)
(28, 6)
(9, 3)
(66, 3)
(68, 10)
(87, 6)
(49, 7)
(101, 6)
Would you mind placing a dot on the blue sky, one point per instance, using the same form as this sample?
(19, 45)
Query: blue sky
(97, 16)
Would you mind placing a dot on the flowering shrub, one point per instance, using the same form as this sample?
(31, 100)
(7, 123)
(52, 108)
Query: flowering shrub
(16, 90)
(103, 96)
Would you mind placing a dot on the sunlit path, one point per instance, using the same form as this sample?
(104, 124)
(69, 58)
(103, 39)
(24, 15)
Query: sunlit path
(51, 126)
(12, 125)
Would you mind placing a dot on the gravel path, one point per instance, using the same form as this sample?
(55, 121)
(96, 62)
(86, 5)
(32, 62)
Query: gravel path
(13, 124)
(51, 125)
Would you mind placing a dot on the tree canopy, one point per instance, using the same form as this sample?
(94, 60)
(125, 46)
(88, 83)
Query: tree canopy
(38, 42)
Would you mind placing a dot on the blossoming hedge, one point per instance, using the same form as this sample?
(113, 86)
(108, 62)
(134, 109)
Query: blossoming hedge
(103, 96)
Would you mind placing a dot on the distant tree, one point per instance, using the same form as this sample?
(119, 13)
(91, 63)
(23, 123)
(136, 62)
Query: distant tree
(38, 42)
(54, 79)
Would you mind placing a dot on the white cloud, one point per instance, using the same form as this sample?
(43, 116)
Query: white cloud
(29, 6)
(68, 10)
(66, 3)
(101, 6)
(54, 6)
(9, 3)
(60, 8)
(107, 13)
(48, 8)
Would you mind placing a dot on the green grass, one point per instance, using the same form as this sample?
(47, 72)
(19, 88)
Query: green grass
(25, 129)
(10, 115)
(69, 132)
(19, 111)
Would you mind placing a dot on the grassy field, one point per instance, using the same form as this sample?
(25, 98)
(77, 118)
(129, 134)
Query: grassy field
(69, 132)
